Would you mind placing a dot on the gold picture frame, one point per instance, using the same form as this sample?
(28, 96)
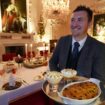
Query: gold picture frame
(13, 16)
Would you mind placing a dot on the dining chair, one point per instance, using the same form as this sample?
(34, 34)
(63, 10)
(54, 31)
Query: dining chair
(8, 56)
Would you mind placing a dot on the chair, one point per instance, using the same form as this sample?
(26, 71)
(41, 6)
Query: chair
(8, 56)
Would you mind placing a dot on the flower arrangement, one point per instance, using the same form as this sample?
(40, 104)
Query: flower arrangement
(19, 59)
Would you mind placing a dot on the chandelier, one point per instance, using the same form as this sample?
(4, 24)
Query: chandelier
(56, 9)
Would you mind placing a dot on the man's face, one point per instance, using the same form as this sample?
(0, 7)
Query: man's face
(79, 23)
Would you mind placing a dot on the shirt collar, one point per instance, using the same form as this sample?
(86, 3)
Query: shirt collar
(81, 42)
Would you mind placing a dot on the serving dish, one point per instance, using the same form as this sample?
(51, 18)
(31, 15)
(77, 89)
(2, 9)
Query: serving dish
(33, 64)
(68, 100)
(55, 97)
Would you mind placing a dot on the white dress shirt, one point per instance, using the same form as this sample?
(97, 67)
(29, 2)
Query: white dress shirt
(81, 42)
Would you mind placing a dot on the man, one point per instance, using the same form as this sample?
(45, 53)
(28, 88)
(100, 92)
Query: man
(90, 60)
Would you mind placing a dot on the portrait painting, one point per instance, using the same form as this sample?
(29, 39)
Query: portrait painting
(99, 25)
(14, 16)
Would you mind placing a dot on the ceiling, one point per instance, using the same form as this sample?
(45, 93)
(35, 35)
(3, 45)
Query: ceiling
(98, 6)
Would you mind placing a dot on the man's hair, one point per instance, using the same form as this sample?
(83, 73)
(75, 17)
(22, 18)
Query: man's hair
(87, 9)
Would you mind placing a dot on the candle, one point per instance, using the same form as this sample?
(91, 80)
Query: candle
(55, 44)
(31, 50)
(26, 50)
(68, 3)
(44, 46)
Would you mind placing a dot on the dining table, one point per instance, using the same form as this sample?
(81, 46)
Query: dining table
(31, 81)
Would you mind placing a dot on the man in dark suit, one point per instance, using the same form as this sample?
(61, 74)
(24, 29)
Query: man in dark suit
(91, 56)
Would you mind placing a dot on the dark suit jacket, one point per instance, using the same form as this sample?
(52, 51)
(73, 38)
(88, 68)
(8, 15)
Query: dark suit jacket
(91, 62)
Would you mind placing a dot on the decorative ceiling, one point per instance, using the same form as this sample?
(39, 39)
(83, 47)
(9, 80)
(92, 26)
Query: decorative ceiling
(98, 6)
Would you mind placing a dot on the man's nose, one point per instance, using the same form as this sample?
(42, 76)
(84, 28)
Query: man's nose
(75, 23)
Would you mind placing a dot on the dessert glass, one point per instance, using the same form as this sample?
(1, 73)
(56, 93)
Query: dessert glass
(54, 78)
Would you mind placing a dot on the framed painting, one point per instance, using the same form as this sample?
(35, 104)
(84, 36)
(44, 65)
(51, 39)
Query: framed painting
(14, 16)
(99, 25)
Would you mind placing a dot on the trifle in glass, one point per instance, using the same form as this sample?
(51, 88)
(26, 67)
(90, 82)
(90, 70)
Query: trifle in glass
(68, 74)
(54, 78)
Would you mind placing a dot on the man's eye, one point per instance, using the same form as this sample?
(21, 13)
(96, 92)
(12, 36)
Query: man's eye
(80, 19)
(72, 20)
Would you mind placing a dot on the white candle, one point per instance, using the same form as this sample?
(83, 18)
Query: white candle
(55, 44)
(44, 46)
(68, 3)
(26, 49)
(31, 49)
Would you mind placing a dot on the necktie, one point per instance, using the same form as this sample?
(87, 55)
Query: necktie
(73, 57)
(75, 51)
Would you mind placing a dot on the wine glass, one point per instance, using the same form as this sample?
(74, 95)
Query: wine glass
(10, 69)
(19, 60)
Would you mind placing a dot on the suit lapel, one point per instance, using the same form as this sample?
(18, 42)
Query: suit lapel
(85, 51)
(68, 46)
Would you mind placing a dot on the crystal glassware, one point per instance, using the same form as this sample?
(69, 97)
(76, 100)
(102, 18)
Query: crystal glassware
(68, 74)
(54, 78)
(19, 60)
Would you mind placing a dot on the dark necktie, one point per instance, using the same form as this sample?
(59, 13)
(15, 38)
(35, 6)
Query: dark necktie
(73, 57)
(75, 51)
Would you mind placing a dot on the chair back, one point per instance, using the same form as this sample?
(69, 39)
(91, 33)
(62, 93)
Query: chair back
(8, 56)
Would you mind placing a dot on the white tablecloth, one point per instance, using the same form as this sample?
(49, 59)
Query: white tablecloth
(27, 75)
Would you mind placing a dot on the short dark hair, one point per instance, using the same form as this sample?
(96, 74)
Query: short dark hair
(87, 9)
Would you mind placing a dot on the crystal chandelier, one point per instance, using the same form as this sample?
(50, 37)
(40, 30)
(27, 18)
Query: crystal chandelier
(56, 9)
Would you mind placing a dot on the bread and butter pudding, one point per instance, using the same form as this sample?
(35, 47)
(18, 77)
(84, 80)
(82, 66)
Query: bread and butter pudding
(81, 91)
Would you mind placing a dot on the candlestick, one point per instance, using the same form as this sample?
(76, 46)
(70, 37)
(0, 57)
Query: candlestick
(26, 50)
